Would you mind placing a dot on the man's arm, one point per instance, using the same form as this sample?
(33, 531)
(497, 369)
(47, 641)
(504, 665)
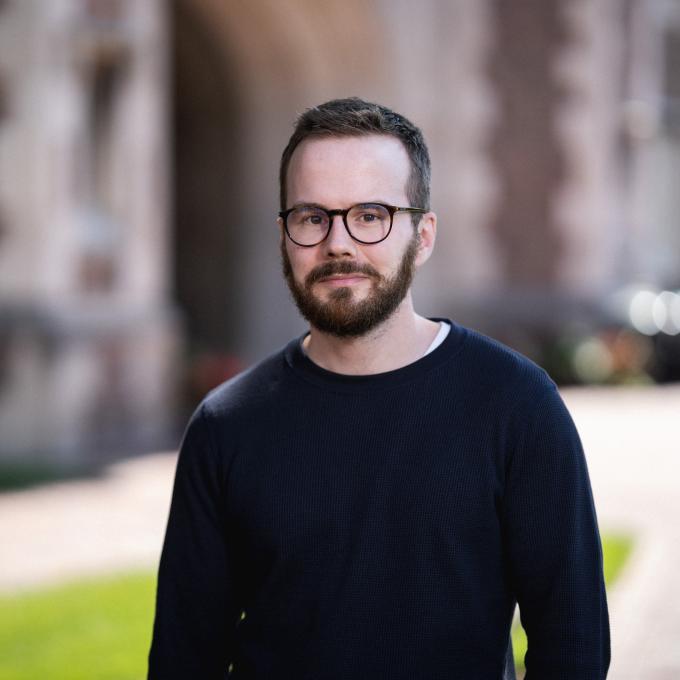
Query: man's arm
(195, 608)
(553, 545)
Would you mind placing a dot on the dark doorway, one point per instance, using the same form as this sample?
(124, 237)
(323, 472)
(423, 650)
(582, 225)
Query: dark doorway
(208, 196)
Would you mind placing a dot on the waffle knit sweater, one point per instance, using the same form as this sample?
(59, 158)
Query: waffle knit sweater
(382, 527)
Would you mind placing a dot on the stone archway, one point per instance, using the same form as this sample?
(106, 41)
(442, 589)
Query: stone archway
(242, 73)
(207, 205)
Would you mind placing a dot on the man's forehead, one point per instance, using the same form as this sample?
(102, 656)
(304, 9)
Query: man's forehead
(354, 168)
(337, 147)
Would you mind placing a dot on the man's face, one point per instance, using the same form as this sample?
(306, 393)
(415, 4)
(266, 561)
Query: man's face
(340, 286)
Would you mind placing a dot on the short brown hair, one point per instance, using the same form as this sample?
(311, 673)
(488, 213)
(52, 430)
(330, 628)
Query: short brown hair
(354, 117)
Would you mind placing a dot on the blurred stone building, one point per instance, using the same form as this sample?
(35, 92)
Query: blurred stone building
(139, 147)
(88, 342)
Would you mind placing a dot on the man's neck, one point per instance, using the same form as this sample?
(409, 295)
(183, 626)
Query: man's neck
(399, 341)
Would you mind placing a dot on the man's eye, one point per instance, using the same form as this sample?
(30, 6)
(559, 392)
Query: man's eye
(368, 218)
(308, 218)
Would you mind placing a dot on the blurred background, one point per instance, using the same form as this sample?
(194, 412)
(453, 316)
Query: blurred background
(139, 150)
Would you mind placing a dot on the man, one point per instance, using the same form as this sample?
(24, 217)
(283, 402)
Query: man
(373, 500)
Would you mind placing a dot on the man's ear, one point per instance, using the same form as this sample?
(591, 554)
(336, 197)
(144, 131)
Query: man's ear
(282, 235)
(427, 228)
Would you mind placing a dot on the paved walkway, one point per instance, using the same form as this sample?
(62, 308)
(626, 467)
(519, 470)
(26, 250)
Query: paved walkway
(632, 442)
(69, 530)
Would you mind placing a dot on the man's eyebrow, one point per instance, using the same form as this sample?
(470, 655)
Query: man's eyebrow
(308, 204)
(312, 204)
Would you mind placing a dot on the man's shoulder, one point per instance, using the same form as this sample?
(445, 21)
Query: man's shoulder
(491, 362)
(256, 387)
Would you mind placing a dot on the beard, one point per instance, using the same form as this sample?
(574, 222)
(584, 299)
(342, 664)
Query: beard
(340, 315)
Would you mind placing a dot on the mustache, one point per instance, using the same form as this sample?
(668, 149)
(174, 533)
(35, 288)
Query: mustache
(343, 267)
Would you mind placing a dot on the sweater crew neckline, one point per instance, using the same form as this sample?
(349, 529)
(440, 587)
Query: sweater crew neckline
(300, 363)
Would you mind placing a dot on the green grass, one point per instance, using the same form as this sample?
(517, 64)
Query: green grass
(18, 474)
(615, 551)
(95, 630)
(101, 629)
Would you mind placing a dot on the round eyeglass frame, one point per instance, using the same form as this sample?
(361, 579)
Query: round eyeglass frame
(391, 209)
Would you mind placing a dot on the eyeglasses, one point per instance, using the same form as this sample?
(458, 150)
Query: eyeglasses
(367, 223)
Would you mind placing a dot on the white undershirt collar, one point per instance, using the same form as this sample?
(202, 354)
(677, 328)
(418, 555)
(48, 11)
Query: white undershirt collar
(444, 329)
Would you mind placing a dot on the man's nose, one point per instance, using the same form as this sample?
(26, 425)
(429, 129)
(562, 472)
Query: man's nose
(339, 242)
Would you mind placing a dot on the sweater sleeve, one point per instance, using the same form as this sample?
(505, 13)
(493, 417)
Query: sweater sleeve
(195, 602)
(553, 547)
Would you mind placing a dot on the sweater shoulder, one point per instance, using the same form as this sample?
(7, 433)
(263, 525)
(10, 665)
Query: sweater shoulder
(494, 364)
(255, 388)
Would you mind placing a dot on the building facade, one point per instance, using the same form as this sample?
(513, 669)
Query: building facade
(139, 149)
(88, 341)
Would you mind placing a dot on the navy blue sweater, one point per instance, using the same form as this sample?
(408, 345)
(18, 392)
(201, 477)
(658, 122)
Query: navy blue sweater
(326, 527)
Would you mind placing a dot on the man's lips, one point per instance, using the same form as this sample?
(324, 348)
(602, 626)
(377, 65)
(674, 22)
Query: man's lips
(340, 274)
(343, 279)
